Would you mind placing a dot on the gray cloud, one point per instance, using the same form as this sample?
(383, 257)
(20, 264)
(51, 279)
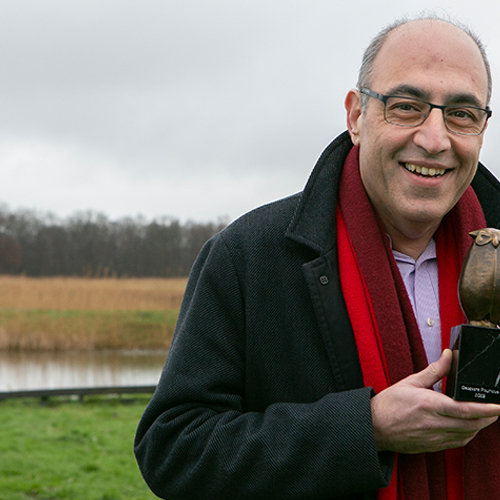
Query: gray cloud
(192, 109)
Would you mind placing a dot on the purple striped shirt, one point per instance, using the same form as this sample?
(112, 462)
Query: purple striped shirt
(421, 281)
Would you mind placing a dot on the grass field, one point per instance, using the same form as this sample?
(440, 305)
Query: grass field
(70, 450)
(88, 313)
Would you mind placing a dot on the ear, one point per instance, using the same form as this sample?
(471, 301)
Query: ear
(354, 114)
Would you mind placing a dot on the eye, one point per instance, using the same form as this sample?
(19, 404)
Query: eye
(462, 114)
(404, 106)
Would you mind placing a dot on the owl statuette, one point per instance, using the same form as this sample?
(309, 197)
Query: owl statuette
(479, 284)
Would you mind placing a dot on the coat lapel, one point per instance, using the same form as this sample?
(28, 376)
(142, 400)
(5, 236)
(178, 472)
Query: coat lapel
(314, 225)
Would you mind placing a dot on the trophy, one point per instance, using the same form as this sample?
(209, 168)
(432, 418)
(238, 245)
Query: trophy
(475, 371)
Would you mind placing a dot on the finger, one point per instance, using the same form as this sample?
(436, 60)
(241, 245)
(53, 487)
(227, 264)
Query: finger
(467, 427)
(441, 434)
(468, 411)
(426, 378)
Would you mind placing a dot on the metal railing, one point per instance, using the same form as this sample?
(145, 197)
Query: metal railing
(77, 391)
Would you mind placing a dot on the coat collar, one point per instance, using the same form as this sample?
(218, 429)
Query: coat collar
(313, 223)
(487, 189)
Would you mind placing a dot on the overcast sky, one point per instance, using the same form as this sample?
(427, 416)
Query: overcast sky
(194, 109)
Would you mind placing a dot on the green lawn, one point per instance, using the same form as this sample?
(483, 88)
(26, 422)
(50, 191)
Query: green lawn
(70, 449)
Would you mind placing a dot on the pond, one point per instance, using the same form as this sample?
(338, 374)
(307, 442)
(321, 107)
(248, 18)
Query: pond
(58, 370)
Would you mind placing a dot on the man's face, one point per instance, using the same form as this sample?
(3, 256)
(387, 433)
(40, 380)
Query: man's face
(414, 176)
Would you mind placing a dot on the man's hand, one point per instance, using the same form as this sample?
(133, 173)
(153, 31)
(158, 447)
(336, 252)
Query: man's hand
(409, 417)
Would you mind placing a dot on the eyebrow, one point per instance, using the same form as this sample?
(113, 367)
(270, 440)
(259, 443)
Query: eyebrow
(408, 90)
(463, 98)
(468, 99)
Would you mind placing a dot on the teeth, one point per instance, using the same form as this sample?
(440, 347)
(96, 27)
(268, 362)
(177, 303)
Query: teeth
(428, 172)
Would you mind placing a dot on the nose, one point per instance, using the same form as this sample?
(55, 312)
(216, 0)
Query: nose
(432, 135)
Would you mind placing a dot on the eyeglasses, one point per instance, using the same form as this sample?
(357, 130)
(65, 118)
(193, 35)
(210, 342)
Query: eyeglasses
(411, 112)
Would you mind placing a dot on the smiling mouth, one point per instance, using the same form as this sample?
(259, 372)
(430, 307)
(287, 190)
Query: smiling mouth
(424, 171)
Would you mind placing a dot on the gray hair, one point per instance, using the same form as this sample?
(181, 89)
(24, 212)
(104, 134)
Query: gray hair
(366, 69)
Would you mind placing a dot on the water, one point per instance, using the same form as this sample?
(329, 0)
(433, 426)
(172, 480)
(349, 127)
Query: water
(59, 370)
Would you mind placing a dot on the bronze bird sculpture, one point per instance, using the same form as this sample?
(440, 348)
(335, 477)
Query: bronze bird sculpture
(479, 284)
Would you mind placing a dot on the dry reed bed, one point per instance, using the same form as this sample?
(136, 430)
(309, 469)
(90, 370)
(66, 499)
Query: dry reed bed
(88, 313)
(109, 294)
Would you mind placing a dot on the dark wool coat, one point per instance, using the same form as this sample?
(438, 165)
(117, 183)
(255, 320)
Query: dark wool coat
(262, 396)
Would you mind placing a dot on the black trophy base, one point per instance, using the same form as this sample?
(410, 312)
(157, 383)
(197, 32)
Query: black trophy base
(475, 372)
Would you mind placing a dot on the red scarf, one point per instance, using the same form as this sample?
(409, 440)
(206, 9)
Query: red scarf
(388, 339)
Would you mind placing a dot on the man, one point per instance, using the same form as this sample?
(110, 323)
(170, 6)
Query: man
(300, 364)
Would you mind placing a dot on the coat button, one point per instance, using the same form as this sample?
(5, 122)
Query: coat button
(323, 280)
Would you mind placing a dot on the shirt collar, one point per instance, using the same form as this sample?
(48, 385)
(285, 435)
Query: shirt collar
(428, 254)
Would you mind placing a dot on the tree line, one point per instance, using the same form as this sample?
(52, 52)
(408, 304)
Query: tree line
(89, 244)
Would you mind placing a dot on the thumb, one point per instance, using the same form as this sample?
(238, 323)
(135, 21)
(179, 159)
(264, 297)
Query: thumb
(433, 373)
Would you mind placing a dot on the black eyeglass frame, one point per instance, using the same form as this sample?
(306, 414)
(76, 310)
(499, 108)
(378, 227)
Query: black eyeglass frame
(385, 98)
